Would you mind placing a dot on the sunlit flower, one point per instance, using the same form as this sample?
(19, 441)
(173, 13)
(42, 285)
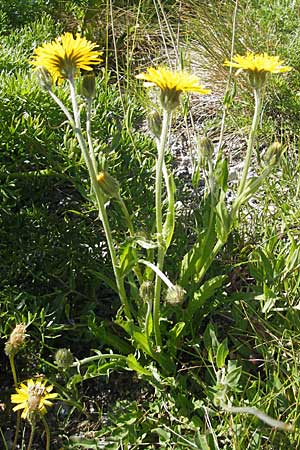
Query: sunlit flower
(172, 84)
(33, 397)
(257, 66)
(65, 56)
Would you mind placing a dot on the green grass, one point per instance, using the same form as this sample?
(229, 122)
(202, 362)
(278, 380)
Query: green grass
(242, 345)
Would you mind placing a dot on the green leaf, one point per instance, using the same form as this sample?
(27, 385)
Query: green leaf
(146, 243)
(223, 220)
(102, 277)
(205, 291)
(127, 259)
(142, 341)
(222, 353)
(133, 364)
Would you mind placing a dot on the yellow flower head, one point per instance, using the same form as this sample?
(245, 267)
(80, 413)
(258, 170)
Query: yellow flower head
(65, 56)
(172, 84)
(33, 397)
(257, 66)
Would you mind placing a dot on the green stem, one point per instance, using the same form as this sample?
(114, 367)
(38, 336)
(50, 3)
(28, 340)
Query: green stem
(14, 374)
(13, 368)
(148, 322)
(251, 140)
(31, 437)
(47, 431)
(97, 357)
(18, 423)
(218, 245)
(100, 200)
(89, 133)
(159, 224)
(126, 214)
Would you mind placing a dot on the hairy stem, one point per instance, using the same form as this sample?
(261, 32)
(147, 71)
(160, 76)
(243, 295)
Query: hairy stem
(100, 200)
(159, 223)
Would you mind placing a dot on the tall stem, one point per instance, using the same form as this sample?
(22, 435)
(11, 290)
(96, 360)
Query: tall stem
(251, 139)
(14, 374)
(47, 431)
(159, 223)
(31, 437)
(89, 133)
(100, 200)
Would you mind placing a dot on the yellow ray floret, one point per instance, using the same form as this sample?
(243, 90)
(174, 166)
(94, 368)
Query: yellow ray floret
(33, 396)
(260, 62)
(66, 55)
(179, 81)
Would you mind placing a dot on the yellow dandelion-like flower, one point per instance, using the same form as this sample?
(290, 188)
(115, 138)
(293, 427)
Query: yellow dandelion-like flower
(32, 397)
(258, 66)
(66, 55)
(172, 84)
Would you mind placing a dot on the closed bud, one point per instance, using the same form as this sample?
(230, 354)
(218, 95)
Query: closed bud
(175, 295)
(205, 148)
(146, 291)
(64, 358)
(108, 184)
(155, 124)
(273, 154)
(88, 86)
(44, 78)
(16, 340)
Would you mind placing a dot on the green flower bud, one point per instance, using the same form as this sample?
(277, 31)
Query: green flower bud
(44, 78)
(175, 295)
(108, 184)
(146, 291)
(88, 86)
(155, 123)
(273, 154)
(64, 358)
(205, 148)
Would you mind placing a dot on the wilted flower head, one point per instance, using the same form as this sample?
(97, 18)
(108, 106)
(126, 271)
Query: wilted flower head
(175, 295)
(65, 56)
(171, 84)
(33, 397)
(258, 65)
(16, 340)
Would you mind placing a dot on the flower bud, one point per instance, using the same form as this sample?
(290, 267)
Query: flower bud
(108, 184)
(273, 154)
(64, 358)
(205, 148)
(146, 291)
(175, 295)
(88, 87)
(155, 124)
(44, 78)
(16, 340)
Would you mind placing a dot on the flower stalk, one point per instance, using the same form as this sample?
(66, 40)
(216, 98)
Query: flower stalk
(159, 224)
(100, 199)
